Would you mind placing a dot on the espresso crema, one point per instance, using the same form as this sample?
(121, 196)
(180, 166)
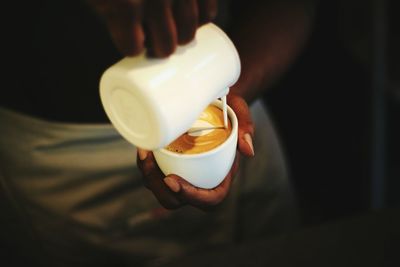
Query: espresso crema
(205, 140)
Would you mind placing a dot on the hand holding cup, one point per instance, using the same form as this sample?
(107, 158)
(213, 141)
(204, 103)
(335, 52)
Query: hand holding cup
(173, 191)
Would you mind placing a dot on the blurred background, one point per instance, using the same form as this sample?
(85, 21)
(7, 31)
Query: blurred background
(337, 111)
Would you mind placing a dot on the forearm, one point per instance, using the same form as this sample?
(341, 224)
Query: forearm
(269, 38)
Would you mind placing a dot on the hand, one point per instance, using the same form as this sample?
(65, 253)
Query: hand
(157, 25)
(173, 192)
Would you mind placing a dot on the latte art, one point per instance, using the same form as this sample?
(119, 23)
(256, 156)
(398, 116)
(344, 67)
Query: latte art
(204, 140)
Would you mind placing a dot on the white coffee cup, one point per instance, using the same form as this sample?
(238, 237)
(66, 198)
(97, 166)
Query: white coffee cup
(153, 101)
(207, 169)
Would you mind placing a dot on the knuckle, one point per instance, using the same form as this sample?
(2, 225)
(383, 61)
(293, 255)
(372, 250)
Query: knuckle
(166, 50)
(187, 35)
(134, 50)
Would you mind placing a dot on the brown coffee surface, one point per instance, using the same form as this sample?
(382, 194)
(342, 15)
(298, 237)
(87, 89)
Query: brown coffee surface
(189, 144)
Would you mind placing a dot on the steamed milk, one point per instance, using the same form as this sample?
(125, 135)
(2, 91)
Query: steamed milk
(205, 140)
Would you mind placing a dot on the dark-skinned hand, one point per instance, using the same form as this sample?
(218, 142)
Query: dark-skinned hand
(173, 191)
(157, 25)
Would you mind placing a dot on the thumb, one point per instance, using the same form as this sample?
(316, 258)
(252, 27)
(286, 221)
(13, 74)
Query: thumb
(246, 127)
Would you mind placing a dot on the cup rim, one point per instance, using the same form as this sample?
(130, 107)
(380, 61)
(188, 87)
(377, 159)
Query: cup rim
(234, 121)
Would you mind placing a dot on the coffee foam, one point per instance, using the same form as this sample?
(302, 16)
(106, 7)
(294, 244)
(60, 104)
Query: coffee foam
(203, 141)
(201, 127)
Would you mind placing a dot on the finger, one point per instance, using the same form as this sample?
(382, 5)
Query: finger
(242, 111)
(199, 197)
(246, 127)
(153, 180)
(235, 165)
(186, 19)
(125, 27)
(141, 156)
(160, 28)
(245, 144)
(142, 153)
(207, 10)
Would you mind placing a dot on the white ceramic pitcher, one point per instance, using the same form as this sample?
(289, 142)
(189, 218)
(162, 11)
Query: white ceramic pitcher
(152, 101)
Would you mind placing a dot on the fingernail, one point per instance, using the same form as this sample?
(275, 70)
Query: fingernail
(172, 184)
(142, 154)
(249, 141)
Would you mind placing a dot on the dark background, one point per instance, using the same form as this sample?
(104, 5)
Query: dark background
(324, 111)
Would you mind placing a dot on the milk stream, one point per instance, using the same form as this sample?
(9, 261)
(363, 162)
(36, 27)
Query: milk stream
(225, 111)
(201, 127)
